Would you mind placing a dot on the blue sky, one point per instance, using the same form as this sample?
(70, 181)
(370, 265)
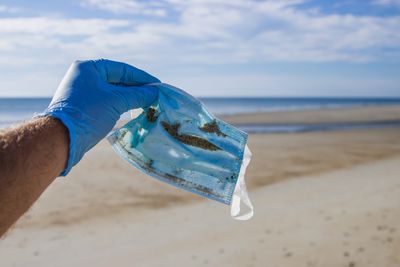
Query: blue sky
(209, 48)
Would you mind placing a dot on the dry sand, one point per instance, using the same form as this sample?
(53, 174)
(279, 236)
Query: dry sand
(321, 199)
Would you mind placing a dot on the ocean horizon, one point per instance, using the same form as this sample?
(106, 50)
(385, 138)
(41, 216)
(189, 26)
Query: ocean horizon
(14, 110)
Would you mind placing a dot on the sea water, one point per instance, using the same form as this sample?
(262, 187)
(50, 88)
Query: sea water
(13, 110)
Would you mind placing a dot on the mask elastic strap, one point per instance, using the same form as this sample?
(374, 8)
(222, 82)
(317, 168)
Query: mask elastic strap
(240, 193)
(135, 112)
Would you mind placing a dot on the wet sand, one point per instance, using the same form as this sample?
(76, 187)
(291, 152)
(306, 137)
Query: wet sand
(321, 199)
(351, 114)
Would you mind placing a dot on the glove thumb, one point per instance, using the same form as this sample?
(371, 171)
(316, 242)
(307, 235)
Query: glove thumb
(133, 97)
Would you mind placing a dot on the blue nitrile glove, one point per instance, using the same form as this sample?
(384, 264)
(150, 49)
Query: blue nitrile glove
(92, 96)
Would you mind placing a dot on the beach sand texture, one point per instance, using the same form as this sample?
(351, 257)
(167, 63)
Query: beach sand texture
(321, 199)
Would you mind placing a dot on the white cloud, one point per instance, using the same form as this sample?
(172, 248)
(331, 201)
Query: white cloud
(43, 26)
(187, 33)
(127, 7)
(237, 31)
(210, 32)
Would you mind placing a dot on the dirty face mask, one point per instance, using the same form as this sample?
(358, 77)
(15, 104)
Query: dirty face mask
(177, 141)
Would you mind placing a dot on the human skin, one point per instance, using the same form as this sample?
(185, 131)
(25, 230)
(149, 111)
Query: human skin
(32, 155)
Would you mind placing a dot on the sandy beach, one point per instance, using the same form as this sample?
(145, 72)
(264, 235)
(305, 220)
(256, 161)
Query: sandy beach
(321, 199)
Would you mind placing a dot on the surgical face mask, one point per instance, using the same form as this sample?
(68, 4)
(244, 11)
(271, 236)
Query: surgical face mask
(179, 142)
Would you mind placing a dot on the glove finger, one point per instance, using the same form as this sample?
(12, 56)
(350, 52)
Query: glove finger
(121, 73)
(132, 97)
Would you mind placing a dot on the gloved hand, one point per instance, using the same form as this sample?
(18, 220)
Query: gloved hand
(92, 96)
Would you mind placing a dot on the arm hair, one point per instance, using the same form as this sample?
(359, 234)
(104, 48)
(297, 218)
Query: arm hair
(32, 155)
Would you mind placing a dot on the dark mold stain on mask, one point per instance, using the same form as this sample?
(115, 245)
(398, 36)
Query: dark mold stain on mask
(212, 127)
(151, 115)
(188, 139)
(149, 163)
(198, 187)
(230, 178)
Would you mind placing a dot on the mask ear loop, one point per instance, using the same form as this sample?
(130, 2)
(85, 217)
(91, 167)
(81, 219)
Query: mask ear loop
(240, 193)
(135, 113)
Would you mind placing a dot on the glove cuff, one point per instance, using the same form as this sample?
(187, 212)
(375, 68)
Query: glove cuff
(72, 137)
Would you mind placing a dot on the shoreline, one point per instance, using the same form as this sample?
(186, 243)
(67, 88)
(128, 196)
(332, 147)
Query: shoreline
(324, 115)
(269, 128)
(302, 108)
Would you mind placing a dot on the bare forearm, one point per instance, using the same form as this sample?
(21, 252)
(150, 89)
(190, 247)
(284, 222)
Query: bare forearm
(31, 157)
